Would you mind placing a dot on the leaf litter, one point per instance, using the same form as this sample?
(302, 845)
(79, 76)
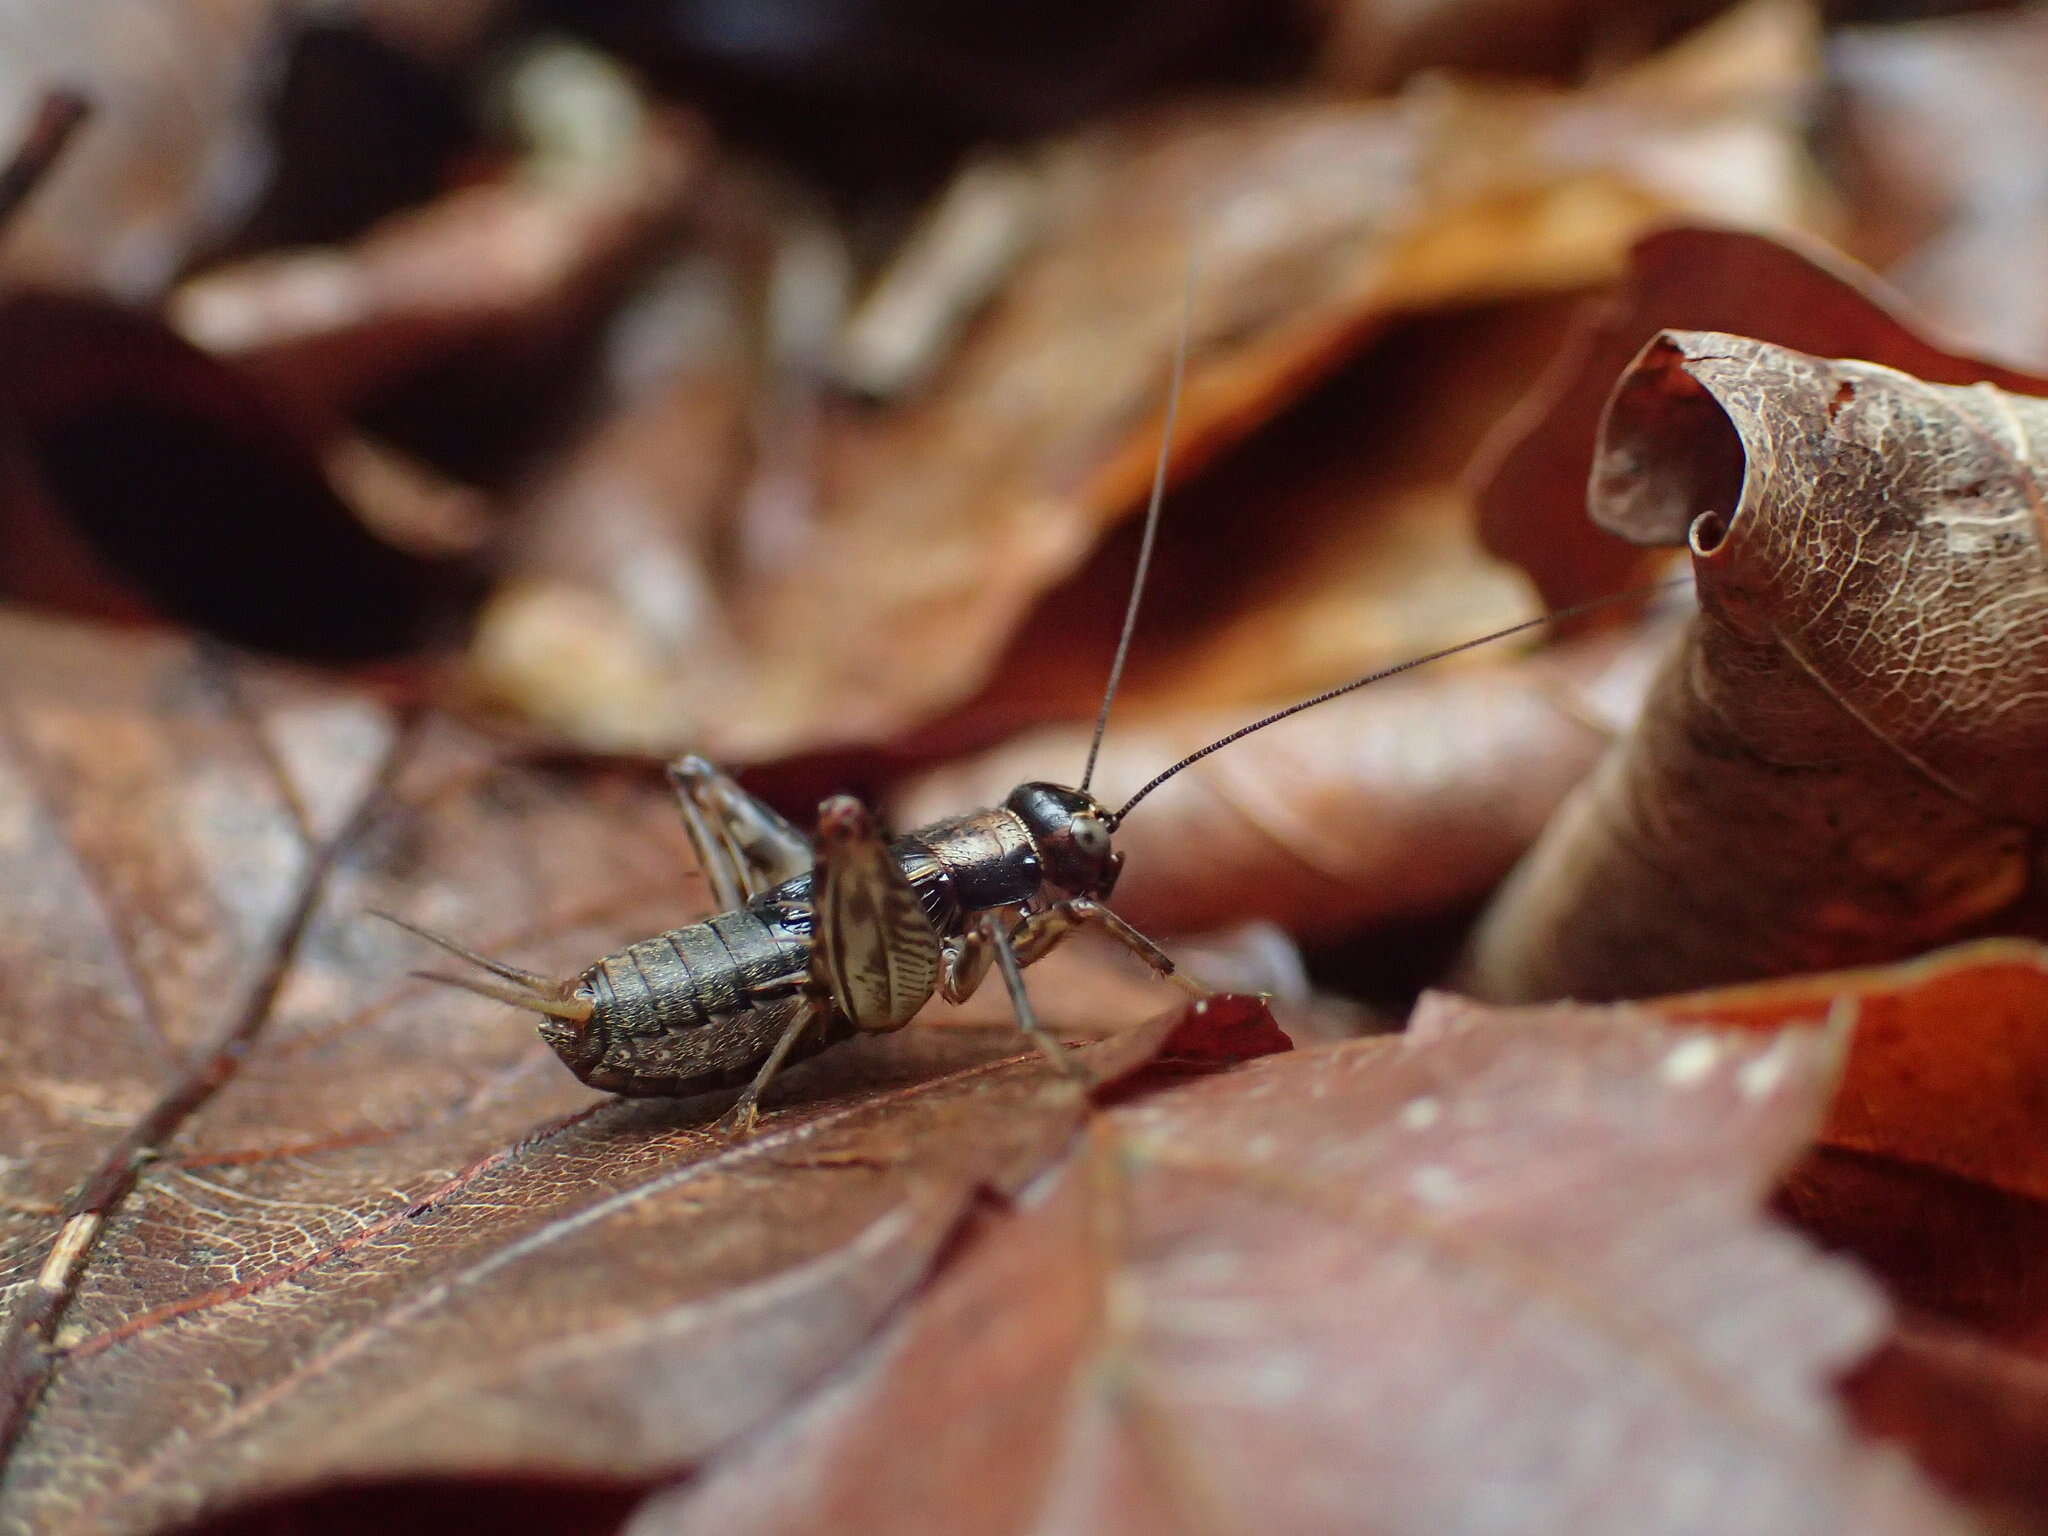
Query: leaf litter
(1928, 1171)
(273, 1220)
(1839, 763)
(1324, 221)
(359, 1183)
(1502, 1273)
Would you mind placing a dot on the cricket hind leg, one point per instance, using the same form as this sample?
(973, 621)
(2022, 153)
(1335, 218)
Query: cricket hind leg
(746, 1109)
(998, 942)
(742, 845)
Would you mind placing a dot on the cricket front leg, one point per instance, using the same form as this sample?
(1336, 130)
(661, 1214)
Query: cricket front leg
(742, 845)
(1042, 930)
(966, 965)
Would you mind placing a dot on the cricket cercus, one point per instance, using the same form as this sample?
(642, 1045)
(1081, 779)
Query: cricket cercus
(844, 933)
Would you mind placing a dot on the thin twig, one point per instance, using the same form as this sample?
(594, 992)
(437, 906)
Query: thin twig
(57, 117)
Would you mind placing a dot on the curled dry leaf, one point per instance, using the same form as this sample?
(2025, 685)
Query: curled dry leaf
(942, 522)
(1843, 761)
(1398, 801)
(1530, 477)
(274, 1215)
(1502, 1273)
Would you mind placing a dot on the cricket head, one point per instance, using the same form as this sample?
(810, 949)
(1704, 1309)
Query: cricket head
(1072, 833)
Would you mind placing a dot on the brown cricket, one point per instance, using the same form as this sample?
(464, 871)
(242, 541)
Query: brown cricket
(845, 932)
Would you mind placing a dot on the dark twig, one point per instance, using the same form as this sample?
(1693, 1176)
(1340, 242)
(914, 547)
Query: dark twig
(57, 117)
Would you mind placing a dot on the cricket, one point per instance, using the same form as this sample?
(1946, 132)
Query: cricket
(845, 932)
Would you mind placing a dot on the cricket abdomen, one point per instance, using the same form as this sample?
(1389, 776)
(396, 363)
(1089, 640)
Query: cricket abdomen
(696, 1008)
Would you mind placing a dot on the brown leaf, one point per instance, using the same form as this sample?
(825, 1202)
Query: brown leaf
(1842, 763)
(1975, 1415)
(1946, 1063)
(1531, 475)
(171, 151)
(1336, 541)
(1504, 1272)
(1399, 801)
(1937, 135)
(139, 476)
(1369, 45)
(275, 1215)
(1933, 1176)
(940, 523)
(517, 256)
(433, 29)
(1964, 1379)
(55, 117)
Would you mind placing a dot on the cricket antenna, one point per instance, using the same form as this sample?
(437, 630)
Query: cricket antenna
(1632, 595)
(528, 990)
(1151, 534)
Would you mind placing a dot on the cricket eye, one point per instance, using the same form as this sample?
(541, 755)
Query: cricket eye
(1091, 836)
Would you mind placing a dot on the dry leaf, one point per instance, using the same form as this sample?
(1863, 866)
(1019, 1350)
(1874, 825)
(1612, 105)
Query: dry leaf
(35, 151)
(1399, 801)
(275, 1214)
(1842, 763)
(432, 29)
(1963, 1381)
(1930, 1172)
(1946, 1065)
(1338, 540)
(1369, 45)
(1531, 475)
(1976, 1416)
(1938, 131)
(140, 477)
(173, 147)
(1501, 1274)
(516, 257)
(1932, 1175)
(941, 523)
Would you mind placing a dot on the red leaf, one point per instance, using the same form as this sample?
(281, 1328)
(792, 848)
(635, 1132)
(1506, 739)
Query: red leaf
(1504, 1273)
